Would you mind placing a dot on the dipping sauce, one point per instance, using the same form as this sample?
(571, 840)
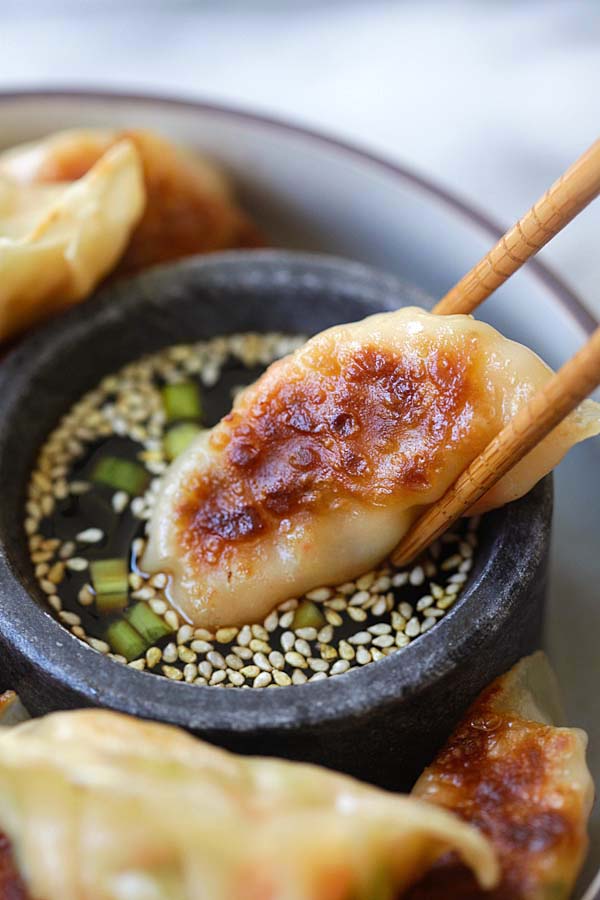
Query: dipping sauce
(92, 493)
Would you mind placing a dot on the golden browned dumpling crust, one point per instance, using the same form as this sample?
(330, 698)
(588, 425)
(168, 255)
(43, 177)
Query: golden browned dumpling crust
(525, 785)
(189, 208)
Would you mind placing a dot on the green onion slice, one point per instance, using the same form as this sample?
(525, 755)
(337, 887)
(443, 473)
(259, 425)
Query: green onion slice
(125, 640)
(110, 576)
(121, 474)
(110, 603)
(151, 627)
(308, 615)
(182, 401)
(178, 439)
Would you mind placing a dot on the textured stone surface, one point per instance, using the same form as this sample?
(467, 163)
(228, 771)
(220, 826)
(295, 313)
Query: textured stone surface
(382, 722)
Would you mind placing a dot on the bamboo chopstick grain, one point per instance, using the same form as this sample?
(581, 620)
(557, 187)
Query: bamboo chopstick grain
(573, 191)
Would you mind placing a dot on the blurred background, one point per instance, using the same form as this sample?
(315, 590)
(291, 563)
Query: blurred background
(491, 99)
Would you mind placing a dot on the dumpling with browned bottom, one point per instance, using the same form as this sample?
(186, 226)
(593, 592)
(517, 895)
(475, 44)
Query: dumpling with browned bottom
(326, 461)
(523, 781)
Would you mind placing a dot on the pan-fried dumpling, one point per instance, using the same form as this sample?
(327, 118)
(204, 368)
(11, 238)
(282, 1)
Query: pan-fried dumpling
(107, 807)
(58, 241)
(522, 781)
(328, 458)
(190, 208)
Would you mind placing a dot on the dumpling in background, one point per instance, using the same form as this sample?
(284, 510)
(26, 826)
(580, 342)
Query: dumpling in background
(106, 807)
(325, 462)
(190, 207)
(58, 241)
(523, 781)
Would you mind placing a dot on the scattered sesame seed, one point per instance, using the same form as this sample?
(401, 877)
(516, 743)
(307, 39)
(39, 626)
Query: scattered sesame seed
(90, 536)
(77, 564)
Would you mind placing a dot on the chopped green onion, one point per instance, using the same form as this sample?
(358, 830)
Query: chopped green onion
(110, 603)
(151, 627)
(182, 401)
(110, 576)
(308, 615)
(121, 474)
(178, 439)
(125, 640)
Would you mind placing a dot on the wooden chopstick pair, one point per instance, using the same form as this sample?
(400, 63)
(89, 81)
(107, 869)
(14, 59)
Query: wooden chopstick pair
(573, 191)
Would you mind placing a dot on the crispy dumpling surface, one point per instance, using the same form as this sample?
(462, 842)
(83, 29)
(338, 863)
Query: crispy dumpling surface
(58, 241)
(325, 462)
(189, 209)
(107, 807)
(523, 781)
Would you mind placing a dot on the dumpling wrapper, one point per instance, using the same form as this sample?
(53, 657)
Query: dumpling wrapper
(523, 781)
(325, 462)
(107, 807)
(190, 206)
(58, 241)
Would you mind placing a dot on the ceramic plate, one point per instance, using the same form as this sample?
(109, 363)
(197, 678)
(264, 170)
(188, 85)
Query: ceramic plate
(313, 193)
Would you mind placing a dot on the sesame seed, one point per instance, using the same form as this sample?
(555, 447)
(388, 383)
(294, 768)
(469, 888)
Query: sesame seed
(318, 665)
(216, 659)
(365, 581)
(236, 678)
(302, 647)
(319, 595)
(205, 669)
(318, 676)
(262, 662)
(383, 640)
(234, 662)
(185, 634)
(295, 659)
(417, 576)
(346, 651)
(77, 564)
(119, 501)
(153, 657)
(281, 678)
(172, 619)
(276, 659)
(307, 634)
(287, 640)
(286, 619)
(90, 536)
(380, 628)
(158, 606)
(190, 672)
(298, 677)
(412, 627)
(245, 636)
(333, 618)
(357, 614)
(259, 646)
(325, 634)
(170, 654)
(339, 667)
(262, 680)
(218, 677)
(250, 671)
(361, 637)
(363, 656)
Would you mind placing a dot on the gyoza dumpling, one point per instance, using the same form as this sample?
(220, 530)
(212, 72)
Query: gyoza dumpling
(522, 781)
(328, 458)
(190, 207)
(58, 241)
(105, 807)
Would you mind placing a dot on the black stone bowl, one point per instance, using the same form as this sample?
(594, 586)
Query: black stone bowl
(382, 722)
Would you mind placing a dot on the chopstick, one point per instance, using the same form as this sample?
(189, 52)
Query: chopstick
(546, 409)
(579, 185)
